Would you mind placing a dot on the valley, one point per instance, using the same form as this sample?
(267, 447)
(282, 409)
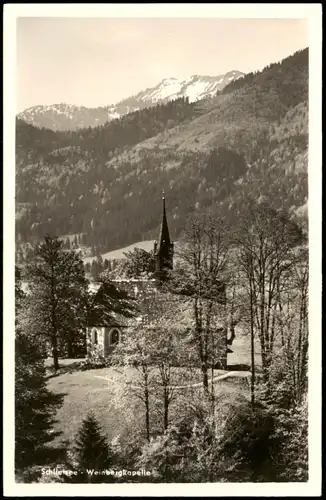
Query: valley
(250, 141)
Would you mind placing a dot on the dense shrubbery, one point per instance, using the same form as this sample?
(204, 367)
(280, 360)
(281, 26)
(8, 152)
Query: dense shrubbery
(95, 357)
(238, 444)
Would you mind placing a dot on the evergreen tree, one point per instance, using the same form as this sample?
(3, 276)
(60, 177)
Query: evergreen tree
(92, 453)
(35, 405)
(109, 301)
(138, 262)
(58, 299)
(100, 264)
(94, 270)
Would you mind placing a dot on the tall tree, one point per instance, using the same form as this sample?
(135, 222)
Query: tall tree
(156, 348)
(95, 269)
(200, 275)
(268, 251)
(291, 363)
(165, 352)
(58, 298)
(35, 405)
(134, 352)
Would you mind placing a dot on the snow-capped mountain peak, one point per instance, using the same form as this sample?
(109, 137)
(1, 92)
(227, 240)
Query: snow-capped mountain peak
(65, 116)
(195, 87)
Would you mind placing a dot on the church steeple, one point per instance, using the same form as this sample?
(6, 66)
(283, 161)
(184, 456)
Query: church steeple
(164, 232)
(163, 250)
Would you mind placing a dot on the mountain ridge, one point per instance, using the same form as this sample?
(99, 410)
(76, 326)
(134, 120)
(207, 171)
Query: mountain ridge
(64, 116)
(250, 142)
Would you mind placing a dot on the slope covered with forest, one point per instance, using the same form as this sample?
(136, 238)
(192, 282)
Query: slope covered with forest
(251, 140)
(71, 117)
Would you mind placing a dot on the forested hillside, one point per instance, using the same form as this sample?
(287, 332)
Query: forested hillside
(71, 117)
(250, 140)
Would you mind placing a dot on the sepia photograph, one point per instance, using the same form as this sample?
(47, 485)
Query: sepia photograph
(164, 209)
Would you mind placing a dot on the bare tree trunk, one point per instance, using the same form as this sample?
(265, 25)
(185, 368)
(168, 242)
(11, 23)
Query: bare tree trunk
(303, 340)
(54, 338)
(70, 348)
(212, 389)
(232, 336)
(252, 345)
(146, 394)
(204, 370)
(55, 355)
(202, 348)
(147, 414)
(166, 410)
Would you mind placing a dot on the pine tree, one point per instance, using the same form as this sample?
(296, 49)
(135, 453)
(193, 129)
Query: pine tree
(58, 299)
(35, 405)
(100, 266)
(109, 301)
(138, 262)
(94, 270)
(92, 453)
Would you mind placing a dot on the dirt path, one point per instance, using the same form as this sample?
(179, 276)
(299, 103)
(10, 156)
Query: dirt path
(218, 378)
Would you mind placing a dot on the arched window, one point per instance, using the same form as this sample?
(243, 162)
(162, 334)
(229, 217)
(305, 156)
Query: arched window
(95, 336)
(114, 336)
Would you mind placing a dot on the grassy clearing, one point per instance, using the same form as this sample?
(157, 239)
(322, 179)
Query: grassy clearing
(98, 390)
(241, 355)
(85, 392)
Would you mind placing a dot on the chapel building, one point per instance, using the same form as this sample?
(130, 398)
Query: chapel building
(147, 294)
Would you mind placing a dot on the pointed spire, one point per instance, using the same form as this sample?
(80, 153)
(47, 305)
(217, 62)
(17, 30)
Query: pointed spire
(163, 249)
(164, 232)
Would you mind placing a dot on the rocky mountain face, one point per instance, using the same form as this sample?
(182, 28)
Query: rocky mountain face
(195, 88)
(69, 117)
(248, 141)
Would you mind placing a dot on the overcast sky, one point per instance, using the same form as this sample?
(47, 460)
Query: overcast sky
(96, 62)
